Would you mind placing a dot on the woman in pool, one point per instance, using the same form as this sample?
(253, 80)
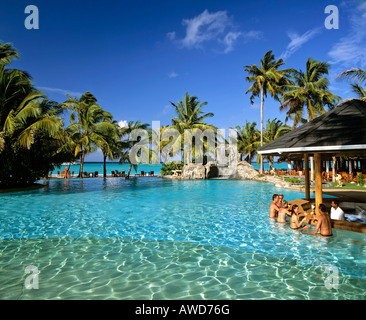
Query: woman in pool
(294, 221)
(282, 212)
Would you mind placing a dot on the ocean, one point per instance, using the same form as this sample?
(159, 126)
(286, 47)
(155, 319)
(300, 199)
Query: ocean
(92, 167)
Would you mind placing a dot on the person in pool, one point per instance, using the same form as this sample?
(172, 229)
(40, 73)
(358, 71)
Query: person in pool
(323, 224)
(294, 220)
(273, 209)
(280, 198)
(283, 211)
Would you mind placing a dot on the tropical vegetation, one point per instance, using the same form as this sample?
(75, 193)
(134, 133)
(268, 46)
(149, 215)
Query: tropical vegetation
(35, 137)
(267, 78)
(309, 94)
(357, 75)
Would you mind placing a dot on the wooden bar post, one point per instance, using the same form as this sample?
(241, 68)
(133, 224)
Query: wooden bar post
(318, 181)
(307, 177)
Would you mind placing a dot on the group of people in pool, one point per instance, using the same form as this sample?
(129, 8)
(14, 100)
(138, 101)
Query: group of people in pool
(280, 209)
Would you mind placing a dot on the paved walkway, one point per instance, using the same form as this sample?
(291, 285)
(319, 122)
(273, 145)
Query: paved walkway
(350, 195)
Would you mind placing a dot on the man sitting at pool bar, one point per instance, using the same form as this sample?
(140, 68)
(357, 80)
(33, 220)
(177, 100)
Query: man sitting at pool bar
(324, 223)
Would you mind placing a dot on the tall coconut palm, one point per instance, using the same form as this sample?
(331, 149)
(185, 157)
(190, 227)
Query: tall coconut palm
(87, 122)
(310, 92)
(190, 116)
(248, 140)
(110, 144)
(267, 78)
(274, 129)
(309, 95)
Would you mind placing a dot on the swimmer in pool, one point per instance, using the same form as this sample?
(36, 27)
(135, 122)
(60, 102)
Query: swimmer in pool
(273, 209)
(294, 221)
(283, 212)
(323, 224)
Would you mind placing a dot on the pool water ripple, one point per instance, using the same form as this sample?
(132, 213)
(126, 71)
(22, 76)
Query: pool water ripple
(148, 238)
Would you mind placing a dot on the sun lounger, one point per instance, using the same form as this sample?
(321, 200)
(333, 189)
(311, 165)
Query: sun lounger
(123, 173)
(142, 173)
(151, 173)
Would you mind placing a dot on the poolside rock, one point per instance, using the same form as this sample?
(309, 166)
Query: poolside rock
(212, 171)
(244, 171)
(194, 171)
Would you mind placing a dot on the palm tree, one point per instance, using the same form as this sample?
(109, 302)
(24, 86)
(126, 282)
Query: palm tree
(189, 117)
(7, 53)
(310, 92)
(248, 140)
(110, 144)
(359, 76)
(88, 123)
(359, 91)
(274, 130)
(267, 78)
(30, 126)
(22, 112)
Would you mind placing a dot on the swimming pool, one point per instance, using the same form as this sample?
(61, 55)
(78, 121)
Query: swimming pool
(151, 238)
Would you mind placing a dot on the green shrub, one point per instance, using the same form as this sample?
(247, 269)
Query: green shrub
(293, 180)
(168, 167)
(360, 179)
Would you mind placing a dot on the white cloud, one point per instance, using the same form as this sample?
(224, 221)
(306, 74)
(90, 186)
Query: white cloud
(297, 41)
(171, 35)
(229, 40)
(123, 124)
(205, 26)
(211, 27)
(167, 109)
(173, 75)
(232, 37)
(349, 51)
(61, 91)
(255, 106)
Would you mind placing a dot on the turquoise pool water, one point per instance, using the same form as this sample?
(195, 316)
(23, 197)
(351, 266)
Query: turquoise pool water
(151, 238)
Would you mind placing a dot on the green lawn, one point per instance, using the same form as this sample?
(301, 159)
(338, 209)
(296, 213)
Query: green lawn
(350, 186)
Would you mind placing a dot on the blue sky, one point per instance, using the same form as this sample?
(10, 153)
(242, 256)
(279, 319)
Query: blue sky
(136, 56)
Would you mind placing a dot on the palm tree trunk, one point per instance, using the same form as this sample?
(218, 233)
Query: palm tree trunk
(262, 103)
(82, 164)
(311, 158)
(334, 169)
(270, 161)
(129, 171)
(104, 165)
